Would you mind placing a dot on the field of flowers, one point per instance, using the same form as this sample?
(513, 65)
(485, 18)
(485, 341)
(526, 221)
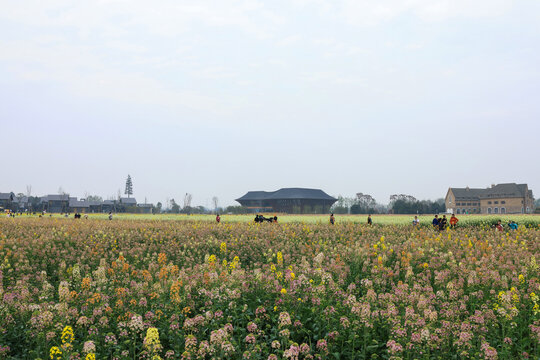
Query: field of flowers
(143, 289)
(475, 220)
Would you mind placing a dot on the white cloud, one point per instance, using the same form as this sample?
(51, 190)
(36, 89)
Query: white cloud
(368, 12)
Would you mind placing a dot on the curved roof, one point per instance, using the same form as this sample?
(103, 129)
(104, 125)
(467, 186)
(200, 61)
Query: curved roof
(287, 193)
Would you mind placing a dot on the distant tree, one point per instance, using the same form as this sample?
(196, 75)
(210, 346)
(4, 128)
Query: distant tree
(404, 197)
(187, 200)
(200, 210)
(175, 208)
(158, 207)
(342, 205)
(61, 191)
(35, 203)
(129, 186)
(215, 201)
(96, 198)
(537, 203)
(236, 209)
(28, 190)
(364, 204)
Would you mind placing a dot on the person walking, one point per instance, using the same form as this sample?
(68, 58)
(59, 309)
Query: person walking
(453, 221)
(218, 218)
(332, 219)
(499, 226)
(415, 221)
(513, 225)
(369, 221)
(110, 215)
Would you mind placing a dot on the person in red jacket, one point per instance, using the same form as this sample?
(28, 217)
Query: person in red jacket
(499, 226)
(218, 219)
(453, 221)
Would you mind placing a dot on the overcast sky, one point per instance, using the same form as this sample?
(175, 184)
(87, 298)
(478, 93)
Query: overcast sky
(221, 97)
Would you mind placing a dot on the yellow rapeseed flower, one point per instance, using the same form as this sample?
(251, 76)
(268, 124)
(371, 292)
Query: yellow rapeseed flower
(223, 247)
(284, 291)
(55, 353)
(151, 341)
(90, 356)
(280, 258)
(521, 278)
(67, 335)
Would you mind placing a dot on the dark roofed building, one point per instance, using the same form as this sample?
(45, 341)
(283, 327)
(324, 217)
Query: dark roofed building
(55, 203)
(84, 206)
(510, 198)
(145, 208)
(288, 200)
(128, 201)
(108, 205)
(7, 200)
(78, 206)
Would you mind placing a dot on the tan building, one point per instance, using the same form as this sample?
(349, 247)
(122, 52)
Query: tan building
(509, 198)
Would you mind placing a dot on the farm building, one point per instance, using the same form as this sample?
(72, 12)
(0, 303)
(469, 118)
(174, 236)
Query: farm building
(288, 200)
(55, 203)
(145, 208)
(508, 198)
(78, 206)
(84, 206)
(7, 201)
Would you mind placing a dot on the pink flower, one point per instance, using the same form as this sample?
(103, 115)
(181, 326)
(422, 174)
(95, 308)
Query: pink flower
(322, 345)
(284, 319)
(252, 327)
(250, 339)
(394, 347)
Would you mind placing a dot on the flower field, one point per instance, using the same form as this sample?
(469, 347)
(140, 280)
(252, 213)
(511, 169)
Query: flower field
(147, 289)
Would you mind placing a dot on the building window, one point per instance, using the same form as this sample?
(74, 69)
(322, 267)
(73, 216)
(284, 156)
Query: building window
(489, 210)
(489, 202)
(503, 210)
(468, 204)
(496, 202)
(457, 211)
(503, 202)
(528, 211)
(496, 210)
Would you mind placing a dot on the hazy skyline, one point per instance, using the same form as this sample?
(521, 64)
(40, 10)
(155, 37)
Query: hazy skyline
(217, 98)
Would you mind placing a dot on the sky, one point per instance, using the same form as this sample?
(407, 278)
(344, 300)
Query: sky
(220, 97)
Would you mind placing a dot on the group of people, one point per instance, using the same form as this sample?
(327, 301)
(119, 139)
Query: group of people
(261, 219)
(511, 224)
(442, 223)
